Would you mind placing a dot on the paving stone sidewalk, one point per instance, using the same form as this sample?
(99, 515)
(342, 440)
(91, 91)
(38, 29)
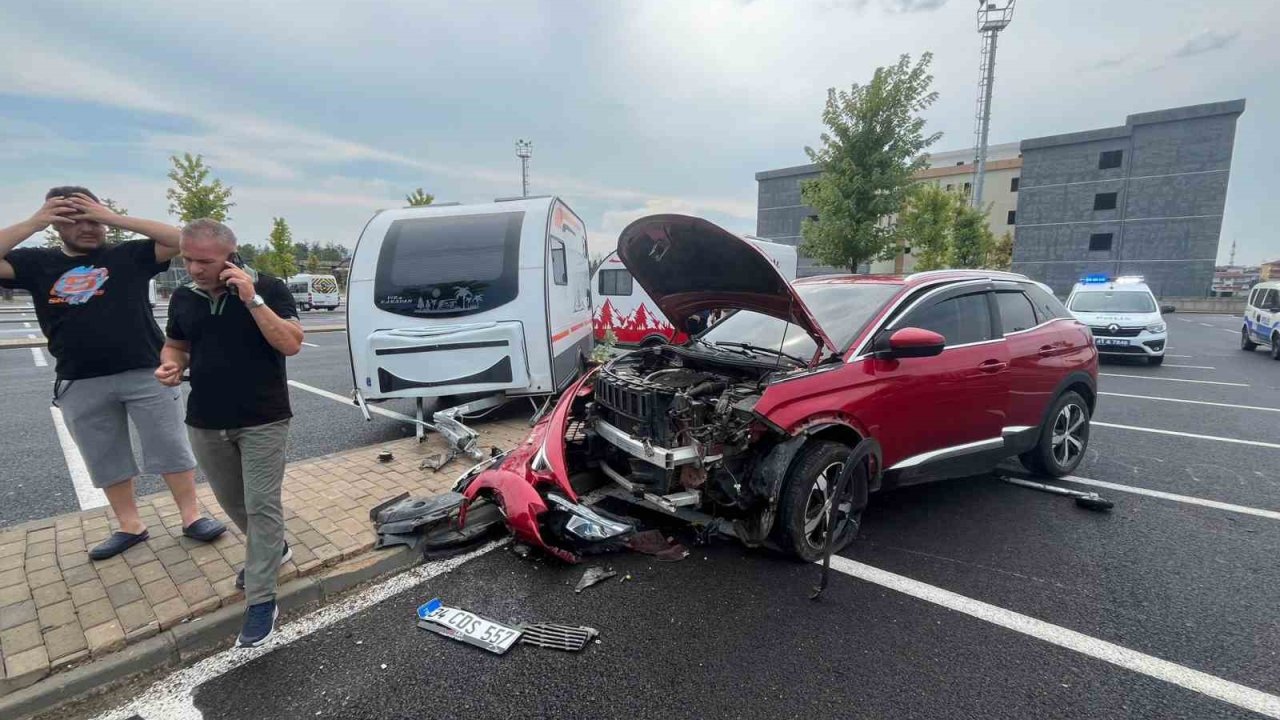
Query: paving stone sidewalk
(59, 609)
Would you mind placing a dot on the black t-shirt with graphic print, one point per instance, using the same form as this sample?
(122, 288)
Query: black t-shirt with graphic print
(94, 309)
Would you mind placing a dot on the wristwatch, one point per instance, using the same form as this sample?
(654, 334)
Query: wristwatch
(257, 302)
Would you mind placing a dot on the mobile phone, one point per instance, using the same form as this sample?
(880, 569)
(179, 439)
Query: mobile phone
(236, 260)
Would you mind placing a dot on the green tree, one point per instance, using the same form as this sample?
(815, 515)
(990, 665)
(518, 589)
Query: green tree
(300, 253)
(313, 264)
(248, 253)
(929, 220)
(193, 196)
(278, 260)
(418, 198)
(874, 144)
(1001, 255)
(971, 240)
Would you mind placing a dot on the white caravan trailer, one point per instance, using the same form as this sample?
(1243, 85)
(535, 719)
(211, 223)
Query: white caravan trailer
(625, 308)
(448, 300)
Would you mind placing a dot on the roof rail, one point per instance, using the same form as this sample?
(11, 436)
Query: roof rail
(993, 274)
(518, 197)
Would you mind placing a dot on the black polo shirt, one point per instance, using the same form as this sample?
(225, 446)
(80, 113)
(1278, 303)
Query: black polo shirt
(237, 379)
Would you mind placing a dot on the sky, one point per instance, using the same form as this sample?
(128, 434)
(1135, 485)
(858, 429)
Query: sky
(325, 112)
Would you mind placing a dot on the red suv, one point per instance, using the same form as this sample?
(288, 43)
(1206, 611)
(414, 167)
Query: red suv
(747, 426)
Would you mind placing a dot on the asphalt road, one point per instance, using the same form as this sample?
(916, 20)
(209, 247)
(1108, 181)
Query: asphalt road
(1000, 604)
(34, 479)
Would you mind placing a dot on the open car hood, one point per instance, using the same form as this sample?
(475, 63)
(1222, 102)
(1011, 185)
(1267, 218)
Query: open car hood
(688, 265)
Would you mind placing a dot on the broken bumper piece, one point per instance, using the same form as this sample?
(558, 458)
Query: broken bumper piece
(431, 524)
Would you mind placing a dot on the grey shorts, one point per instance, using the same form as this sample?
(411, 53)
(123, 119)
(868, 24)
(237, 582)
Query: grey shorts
(97, 411)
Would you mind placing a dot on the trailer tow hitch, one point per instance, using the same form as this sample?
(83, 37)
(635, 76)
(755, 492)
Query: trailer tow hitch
(459, 439)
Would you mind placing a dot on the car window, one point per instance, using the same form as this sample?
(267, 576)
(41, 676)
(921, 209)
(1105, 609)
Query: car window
(1047, 306)
(1016, 312)
(961, 320)
(1269, 299)
(1115, 301)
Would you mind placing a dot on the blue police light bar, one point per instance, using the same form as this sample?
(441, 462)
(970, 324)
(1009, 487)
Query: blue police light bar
(1095, 279)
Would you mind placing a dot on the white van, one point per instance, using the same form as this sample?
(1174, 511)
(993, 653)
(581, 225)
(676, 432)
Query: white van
(312, 292)
(450, 300)
(623, 307)
(1262, 318)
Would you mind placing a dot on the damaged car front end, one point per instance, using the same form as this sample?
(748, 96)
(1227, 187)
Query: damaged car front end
(677, 428)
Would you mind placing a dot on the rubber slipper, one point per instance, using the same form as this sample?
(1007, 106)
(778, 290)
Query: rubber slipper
(116, 544)
(205, 530)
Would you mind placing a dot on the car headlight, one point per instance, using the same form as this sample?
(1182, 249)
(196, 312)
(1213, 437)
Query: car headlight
(1157, 327)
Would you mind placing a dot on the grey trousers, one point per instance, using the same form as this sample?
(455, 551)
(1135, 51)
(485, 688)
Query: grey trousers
(245, 468)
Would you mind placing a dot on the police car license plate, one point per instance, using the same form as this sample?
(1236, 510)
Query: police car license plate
(467, 627)
(1111, 341)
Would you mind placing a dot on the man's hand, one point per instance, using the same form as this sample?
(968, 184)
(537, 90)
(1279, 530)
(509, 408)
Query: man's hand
(54, 212)
(169, 373)
(86, 208)
(239, 280)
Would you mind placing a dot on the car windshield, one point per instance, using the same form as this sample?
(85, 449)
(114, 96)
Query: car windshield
(842, 309)
(1128, 301)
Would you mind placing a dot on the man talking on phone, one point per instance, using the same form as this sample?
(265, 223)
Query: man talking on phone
(232, 327)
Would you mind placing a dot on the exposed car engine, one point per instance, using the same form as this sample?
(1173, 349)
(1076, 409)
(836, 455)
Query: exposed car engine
(687, 419)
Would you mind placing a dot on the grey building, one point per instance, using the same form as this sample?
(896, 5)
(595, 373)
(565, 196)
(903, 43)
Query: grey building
(780, 210)
(1144, 199)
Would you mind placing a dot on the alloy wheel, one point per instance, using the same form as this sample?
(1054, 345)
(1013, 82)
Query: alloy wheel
(1068, 434)
(818, 508)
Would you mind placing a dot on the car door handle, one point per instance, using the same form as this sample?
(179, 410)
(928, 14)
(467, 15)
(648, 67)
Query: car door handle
(993, 366)
(1047, 351)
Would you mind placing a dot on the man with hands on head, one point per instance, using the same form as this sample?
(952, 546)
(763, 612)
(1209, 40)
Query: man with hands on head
(91, 300)
(232, 328)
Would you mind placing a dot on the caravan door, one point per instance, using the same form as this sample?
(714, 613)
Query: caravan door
(568, 284)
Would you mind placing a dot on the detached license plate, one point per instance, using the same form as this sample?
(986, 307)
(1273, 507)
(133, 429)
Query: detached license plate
(467, 627)
(1111, 341)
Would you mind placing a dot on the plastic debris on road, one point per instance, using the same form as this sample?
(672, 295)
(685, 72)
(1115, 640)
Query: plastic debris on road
(592, 576)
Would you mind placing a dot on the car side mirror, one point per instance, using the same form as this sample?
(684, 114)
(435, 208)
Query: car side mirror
(909, 342)
(694, 324)
(1166, 309)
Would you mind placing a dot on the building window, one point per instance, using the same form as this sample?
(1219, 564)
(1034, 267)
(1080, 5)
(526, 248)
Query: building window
(1110, 159)
(1013, 217)
(1013, 185)
(950, 187)
(967, 188)
(1100, 242)
(960, 163)
(1104, 201)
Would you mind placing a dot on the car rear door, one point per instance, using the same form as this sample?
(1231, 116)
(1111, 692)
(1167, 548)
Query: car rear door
(1036, 349)
(934, 413)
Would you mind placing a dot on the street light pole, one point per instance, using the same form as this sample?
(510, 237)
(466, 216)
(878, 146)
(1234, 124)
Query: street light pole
(524, 151)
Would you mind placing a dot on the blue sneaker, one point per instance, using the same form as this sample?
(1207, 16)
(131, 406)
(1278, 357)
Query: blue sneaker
(259, 624)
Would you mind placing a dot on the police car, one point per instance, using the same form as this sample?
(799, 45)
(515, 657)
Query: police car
(1123, 315)
(1262, 318)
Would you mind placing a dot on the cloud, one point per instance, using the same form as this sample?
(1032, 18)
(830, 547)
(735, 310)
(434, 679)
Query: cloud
(912, 6)
(1206, 42)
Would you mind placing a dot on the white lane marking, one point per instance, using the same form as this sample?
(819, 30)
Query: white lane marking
(172, 697)
(1192, 367)
(1197, 436)
(310, 344)
(1242, 509)
(1193, 402)
(1177, 356)
(347, 401)
(38, 356)
(1233, 332)
(1208, 325)
(87, 495)
(1152, 377)
(1182, 676)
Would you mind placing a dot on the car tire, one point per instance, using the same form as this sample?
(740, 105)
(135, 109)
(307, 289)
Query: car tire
(1275, 346)
(1044, 458)
(801, 516)
(1246, 344)
(1155, 360)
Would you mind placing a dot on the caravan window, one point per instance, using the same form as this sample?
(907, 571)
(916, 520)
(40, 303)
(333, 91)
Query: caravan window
(449, 266)
(559, 266)
(615, 282)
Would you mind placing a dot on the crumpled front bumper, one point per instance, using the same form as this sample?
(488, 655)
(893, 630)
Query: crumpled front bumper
(530, 484)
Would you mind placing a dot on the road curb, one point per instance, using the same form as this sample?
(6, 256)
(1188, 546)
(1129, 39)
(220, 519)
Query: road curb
(199, 637)
(40, 341)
